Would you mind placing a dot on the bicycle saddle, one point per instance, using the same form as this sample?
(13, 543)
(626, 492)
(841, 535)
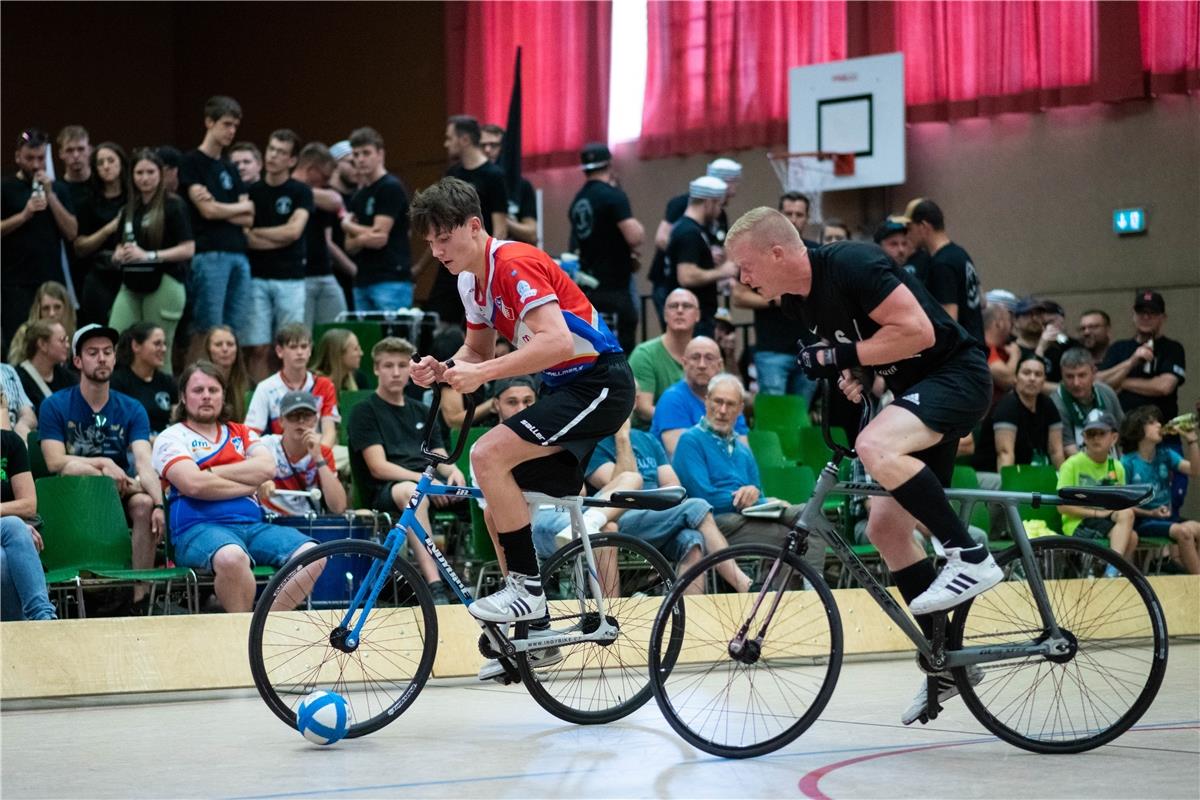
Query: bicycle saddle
(1113, 498)
(649, 499)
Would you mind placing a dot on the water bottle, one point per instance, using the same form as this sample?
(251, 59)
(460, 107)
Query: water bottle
(39, 190)
(127, 236)
(1148, 367)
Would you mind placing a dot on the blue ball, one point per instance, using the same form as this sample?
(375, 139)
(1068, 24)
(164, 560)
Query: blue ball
(323, 717)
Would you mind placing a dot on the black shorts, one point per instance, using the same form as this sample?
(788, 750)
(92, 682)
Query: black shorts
(575, 417)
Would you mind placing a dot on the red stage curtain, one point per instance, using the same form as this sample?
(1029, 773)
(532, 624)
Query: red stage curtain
(1170, 45)
(717, 71)
(564, 82)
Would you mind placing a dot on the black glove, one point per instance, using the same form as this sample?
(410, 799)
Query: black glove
(818, 361)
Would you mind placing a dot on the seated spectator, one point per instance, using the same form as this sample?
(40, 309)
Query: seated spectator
(1026, 428)
(302, 463)
(293, 346)
(386, 432)
(23, 593)
(154, 266)
(42, 372)
(222, 349)
(682, 405)
(657, 363)
(717, 466)
(1077, 394)
(90, 430)
(339, 357)
(834, 230)
(52, 304)
(214, 467)
(1095, 465)
(16, 403)
(100, 232)
(1157, 364)
(138, 374)
(1148, 461)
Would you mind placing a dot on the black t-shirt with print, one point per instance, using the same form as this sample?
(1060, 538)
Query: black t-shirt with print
(689, 244)
(14, 459)
(603, 252)
(1169, 359)
(176, 229)
(31, 254)
(952, 278)
(274, 206)
(393, 261)
(849, 281)
(156, 395)
(398, 429)
(221, 178)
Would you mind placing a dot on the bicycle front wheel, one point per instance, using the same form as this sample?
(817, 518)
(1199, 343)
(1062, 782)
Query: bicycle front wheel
(601, 681)
(772, 690)
(1094, 693)
(297, 642)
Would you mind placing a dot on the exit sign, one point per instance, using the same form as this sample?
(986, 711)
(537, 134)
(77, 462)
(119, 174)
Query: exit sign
(1129, 220)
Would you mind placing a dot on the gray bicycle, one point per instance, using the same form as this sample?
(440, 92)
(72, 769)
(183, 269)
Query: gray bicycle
(1058, 658)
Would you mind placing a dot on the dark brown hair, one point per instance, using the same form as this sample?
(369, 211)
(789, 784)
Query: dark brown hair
(211, 370)
(446, 205)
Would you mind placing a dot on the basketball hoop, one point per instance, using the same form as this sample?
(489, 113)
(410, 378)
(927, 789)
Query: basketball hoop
(811, 174)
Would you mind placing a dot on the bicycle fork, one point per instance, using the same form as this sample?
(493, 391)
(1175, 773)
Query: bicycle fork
(747, 651)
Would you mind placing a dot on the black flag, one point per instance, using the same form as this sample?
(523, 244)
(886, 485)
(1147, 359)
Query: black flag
(510, 155)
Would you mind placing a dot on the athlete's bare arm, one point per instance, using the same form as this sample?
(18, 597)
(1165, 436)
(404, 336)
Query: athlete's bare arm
(905, 330)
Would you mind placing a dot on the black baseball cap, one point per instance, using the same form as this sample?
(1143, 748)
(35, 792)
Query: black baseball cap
(91, 332)
(889, 227)
(594, 156)
(1149, 300)
(504, 384)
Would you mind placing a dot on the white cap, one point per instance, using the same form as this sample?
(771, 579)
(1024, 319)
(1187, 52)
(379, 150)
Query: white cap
(1002, 297)
(706, 187)
(726, 169)
(340, 150)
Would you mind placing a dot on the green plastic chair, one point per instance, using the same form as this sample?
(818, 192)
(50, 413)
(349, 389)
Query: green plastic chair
(966, 478)
(791, 483)
(780, 412)
(85, 532)
(813, 452)
(368, 334)
(37, 461)
(1030, 478)
(767, 450)
(346, 402)
(479, 545)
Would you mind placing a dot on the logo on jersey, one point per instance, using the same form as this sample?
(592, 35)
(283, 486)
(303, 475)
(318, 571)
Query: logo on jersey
(972, 286)
(238, 445)
(370, 209)
(504, 309)
(914, 398)
(582, 218)
(525, 290)
(226, 181)
(841, 337)
(283, 206)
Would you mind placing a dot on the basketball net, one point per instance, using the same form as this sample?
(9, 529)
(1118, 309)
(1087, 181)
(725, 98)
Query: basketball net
(810, 174)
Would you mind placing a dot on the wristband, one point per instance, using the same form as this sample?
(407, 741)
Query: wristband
(322, 463)
(159, 505)
(847, 355)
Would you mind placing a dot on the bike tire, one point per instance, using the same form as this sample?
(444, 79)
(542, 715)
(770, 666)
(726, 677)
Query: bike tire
(800, 677)
(597, 683)
(1065, 705)
(291, 652)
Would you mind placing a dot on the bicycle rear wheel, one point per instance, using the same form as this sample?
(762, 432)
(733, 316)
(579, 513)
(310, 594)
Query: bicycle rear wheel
(599, 682)
(296, 645)
(1089, 697)
(759, 701)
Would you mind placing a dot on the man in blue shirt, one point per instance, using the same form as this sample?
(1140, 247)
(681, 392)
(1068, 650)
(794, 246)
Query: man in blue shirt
(90, 430)
(682, 405)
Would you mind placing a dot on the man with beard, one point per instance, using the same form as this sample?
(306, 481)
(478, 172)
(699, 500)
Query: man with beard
(90, 430)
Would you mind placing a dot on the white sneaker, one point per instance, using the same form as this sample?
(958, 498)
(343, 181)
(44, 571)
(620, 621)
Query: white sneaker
(513, 603)
(957, 582)
(593, 519)
(492, 668)
(947, 688)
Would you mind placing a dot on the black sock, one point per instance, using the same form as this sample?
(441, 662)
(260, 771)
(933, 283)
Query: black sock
(912, 581)
(922, 496)
(519, 553)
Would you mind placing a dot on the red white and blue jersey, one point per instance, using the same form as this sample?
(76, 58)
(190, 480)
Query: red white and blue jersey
(180, 443)
(519, 278)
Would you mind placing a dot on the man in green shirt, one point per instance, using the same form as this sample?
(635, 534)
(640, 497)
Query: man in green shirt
(1095, 465)
(657, 363)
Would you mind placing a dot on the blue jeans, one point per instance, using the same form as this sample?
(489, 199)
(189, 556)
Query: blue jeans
(673, 532)
(386, 296)
(779, 374)
(263, 542)
(218, 291)
(23, 593)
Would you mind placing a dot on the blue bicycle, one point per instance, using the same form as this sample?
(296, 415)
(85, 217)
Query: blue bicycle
(354, 617)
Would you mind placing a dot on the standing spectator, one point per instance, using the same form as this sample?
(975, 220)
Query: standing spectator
(323, 298)
(51, 303)
(293, 347)
(75, 152)
(1157, 364)
(682, 405)
(386, 432)
(339, 357)
(282, 206)
(952, 279)
(1095, 465)
(171, 159)
(834, 230)
(1033, 336)
(23, 593)
(141, 354)
(345, 183)
(302, 462)
(1027, 427)
(249, 161)
(607, 235)
(219, 282)
(689, 250)
(154, 266)
(16, 403)
(90, 430)
(1080, 393)
(892, 238)
(36, 218)
(522, 200)
(42, 369)
(377, 230)
(214, 467)
(657, 363)
(1095, 333)
(1054, 319)
(1147, 461)
(100, 232)
(221, 348)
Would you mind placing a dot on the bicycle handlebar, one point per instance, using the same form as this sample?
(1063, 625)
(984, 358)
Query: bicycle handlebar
(431, 420)
(839, 451)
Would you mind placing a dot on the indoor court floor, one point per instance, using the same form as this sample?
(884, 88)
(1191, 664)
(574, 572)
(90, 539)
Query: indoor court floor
(465, 740)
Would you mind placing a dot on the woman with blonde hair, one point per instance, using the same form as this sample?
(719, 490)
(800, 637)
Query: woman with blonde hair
(222, 349)
(337, 357)
(50, 302)
(41, 371)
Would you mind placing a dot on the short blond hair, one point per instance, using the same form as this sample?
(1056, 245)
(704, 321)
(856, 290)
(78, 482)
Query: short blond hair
(766, 228)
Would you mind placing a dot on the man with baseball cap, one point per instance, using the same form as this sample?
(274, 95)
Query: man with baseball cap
(345, 182)
(90, 430)
(1096, 465)
(951, 279)
(690, 262)
(1157, 365)
(892, 236)
(607, 236)
(302, 462)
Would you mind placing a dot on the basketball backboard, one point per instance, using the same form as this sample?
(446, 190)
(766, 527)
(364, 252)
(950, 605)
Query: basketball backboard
(852, 106)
